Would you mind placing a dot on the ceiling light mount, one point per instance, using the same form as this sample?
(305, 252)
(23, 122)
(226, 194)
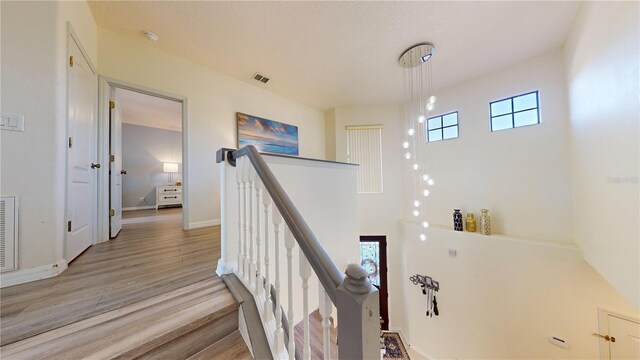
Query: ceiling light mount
(150, 36)
(416, 55)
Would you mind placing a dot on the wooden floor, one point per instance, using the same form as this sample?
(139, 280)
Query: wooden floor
(146, 261)
(151, 215)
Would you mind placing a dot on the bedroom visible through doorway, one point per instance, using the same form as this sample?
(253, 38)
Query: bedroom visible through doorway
(145, 147)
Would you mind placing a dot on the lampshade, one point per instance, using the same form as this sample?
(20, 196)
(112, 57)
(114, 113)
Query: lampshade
(170, 167)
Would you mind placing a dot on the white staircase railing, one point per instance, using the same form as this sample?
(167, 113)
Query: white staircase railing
(259, 230)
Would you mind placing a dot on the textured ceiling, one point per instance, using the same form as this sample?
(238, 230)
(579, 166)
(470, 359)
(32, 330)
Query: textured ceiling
(144, 110)
(327, 54)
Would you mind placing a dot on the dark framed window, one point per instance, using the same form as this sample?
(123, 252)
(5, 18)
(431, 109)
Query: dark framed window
(515, 111)
(442, 127)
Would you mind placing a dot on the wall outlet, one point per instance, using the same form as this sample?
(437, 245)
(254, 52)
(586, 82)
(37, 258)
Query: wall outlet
(453, 252)
(141, 198)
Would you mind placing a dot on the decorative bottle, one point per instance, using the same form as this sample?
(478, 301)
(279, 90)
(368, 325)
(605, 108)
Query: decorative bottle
(457, 220)
(471, 222)
(485, 222)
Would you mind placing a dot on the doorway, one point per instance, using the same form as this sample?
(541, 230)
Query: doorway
(619, 336)
(143, 135)
(373, 258)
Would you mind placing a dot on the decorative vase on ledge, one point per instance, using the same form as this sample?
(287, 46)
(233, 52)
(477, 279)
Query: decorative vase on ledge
(457, 220)
(485, 222)
(471, 222)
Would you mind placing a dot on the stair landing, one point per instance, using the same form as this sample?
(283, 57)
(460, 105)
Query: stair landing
(150, 293)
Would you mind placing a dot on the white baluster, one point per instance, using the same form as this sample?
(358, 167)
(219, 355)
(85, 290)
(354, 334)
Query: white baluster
(258, 276)
(277, 220)
(289, 242)
(245, 167)
(252, 266)
(239, 168)
(305, 273)
(268, 305)
(325, 311)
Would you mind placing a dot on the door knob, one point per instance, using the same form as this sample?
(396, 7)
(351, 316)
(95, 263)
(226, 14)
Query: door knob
(605, 337)
(95, 166)
(123, 172)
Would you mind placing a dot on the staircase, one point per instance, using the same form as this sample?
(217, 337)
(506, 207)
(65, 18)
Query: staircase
(197, 321)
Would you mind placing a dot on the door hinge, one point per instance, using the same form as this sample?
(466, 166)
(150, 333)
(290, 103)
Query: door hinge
(112, 212)
(112, 105)
(71, 61)
(69, 226)
(112, 158)
(70, 143)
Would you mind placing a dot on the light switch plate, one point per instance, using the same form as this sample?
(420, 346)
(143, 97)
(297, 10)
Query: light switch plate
(12, 122)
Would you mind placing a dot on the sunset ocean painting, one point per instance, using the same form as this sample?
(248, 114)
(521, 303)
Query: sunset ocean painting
(267, 135)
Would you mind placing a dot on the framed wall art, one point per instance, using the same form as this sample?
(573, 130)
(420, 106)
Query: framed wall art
(267, 135)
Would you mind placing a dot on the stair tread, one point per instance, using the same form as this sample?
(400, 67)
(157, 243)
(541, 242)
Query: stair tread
(230, 347)
(133, 329)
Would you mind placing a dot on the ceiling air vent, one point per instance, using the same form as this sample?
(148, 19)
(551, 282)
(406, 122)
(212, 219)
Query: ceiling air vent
(259, 77)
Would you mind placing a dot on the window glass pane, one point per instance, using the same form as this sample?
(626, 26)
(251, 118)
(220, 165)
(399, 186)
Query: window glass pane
(370, 260)
(529, 117)
(435, 122)
(450, 132)
(525, 102)
(501, 122)
(435, 135)
(451, 119)
(501, 107)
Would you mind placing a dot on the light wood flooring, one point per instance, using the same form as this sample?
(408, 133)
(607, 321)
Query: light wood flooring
(154, 274)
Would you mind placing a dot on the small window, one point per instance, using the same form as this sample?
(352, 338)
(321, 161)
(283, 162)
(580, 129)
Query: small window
(516, 111)
(442, 127)
(364, 147)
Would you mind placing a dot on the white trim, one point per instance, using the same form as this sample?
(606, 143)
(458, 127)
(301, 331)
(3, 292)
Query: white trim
(201, 224)
(105, 83)
(22, 276)
(148, 207)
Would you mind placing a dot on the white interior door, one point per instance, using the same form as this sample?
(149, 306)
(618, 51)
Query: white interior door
(627, 338)
(115, 168)
(81, 156)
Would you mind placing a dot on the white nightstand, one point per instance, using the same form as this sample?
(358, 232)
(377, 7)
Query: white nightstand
(168, 195)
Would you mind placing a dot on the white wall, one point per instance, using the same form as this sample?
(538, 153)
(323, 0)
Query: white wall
(144, 150)
(501, 297)
(213, 100)
(521, 175)
(378, 213)
(34, 64)
(602, 59)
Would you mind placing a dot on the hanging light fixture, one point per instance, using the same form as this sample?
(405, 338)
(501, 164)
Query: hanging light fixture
(419, 101)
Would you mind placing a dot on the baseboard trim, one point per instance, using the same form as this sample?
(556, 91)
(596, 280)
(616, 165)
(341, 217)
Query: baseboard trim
(22, 276)
(201, 224)
(148, 207)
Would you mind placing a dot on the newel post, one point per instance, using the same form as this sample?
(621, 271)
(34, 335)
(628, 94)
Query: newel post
(358, 316)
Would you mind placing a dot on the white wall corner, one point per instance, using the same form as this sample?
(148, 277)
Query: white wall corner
(222, 268)
(22, 276)
(201, 224)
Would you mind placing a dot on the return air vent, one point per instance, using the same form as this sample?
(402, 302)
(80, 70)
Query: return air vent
(259, 77)
(8, 233)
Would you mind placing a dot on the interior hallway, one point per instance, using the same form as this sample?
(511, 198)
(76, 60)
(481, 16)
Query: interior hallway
(146, 260)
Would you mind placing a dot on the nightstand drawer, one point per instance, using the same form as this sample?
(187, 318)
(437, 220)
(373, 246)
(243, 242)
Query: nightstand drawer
(173, 198)
(169, 190)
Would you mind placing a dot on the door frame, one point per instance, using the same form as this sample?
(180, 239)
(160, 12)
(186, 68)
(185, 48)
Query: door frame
(603, 328)
(384, 279)
(105, 84)
(73, 37)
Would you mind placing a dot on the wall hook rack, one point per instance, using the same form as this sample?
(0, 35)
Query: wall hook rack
(429, 288)
(426, 282)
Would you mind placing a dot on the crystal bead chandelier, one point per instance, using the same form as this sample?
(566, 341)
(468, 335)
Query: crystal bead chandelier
(419, 101)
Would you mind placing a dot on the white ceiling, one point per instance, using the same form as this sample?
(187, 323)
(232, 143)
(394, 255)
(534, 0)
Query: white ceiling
(145, 110)
(328, 54)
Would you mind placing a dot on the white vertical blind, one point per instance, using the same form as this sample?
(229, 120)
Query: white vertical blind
(364, 147)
